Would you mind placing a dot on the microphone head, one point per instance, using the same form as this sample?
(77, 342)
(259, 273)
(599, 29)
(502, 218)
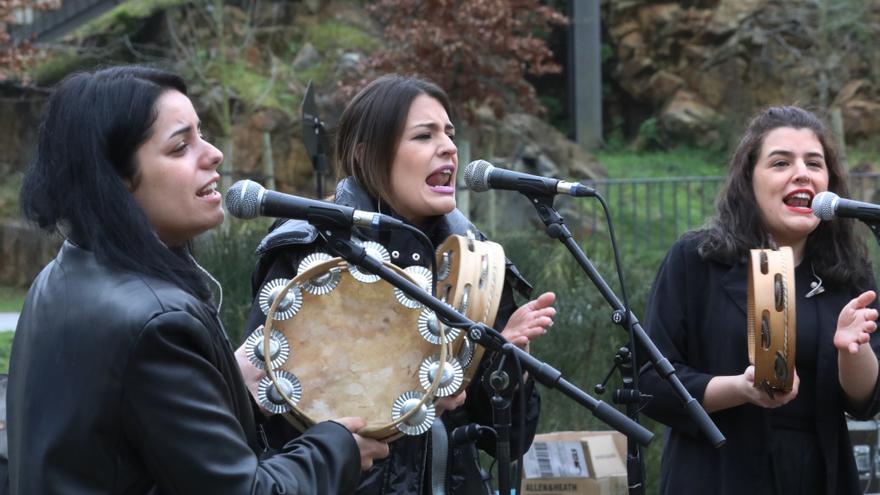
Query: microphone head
(243, 199)
(823, 205)
(476, 175)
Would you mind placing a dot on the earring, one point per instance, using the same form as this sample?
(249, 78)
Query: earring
(816, 285)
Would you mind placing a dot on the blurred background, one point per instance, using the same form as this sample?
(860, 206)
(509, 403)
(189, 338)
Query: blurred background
(642, 99)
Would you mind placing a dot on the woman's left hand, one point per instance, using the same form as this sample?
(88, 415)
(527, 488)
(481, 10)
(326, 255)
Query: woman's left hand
(856, 323)
(531, 320)
(251, 374)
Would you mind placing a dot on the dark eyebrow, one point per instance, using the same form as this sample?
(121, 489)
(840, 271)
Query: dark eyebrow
(787, 153)
(433, 126)
(183, 130)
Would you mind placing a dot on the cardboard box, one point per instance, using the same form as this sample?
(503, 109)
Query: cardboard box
(576, 462)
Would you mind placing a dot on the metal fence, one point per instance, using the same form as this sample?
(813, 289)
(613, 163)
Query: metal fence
(650, 214)
(28, 23)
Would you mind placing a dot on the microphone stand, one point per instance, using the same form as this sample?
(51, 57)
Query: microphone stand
(338, 237)
(874, 225)
(499, 381)
(556, 229)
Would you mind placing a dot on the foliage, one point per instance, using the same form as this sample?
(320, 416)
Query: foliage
(679, 161)
(17, 58)
(11, 300)
(228, 254)
(477, 50)
(5, 350)
(583, 341)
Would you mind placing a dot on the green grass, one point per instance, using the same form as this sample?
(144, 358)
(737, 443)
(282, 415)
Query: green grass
(11, 300)
(676, 162)
(5, 349)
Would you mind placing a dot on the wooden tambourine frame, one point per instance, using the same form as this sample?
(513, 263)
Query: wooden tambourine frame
(771, 318)
(359, 349)
(470, 277)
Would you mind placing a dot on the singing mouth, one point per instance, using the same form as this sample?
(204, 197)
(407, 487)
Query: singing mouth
(442, 177)
(208, 190)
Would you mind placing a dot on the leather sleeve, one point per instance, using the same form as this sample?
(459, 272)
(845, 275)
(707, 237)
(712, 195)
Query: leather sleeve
(178, 412)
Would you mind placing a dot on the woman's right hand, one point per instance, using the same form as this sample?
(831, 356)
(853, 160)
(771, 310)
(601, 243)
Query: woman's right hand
(760, 397)
(370, 449)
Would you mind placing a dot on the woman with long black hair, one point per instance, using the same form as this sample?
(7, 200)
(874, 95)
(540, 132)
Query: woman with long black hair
(122, 379)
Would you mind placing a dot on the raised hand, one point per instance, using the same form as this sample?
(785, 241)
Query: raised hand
(530, 321)
(856, 323)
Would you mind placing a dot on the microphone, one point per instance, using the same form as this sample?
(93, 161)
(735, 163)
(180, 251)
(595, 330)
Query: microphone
(828, 206)
(481, 175)
(246, 199)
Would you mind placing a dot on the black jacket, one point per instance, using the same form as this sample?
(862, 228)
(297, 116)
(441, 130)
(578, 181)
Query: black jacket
(697, 317)
(407, 469)
(120, 383)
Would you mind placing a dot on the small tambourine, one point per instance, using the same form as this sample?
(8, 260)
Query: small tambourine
(771, 318)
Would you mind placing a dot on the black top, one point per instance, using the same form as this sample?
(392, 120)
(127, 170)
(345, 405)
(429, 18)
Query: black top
(407, 469)
(696, 316)
(121, 383)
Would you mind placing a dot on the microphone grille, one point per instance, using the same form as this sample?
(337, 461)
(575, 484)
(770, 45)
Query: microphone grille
(823, 205)
(243, 199)
(476, 175)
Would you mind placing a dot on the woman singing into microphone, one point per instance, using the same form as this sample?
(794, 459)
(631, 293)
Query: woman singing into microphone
(396, 150)
(122, 379)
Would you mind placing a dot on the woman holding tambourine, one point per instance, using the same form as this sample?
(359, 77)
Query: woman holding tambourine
(786, 440)
(396, 150)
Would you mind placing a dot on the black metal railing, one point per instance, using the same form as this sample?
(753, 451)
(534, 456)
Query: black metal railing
(48, 25)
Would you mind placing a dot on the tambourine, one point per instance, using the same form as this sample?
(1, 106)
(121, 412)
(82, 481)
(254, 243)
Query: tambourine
(470, 277)
(771, 318)
(343, 342)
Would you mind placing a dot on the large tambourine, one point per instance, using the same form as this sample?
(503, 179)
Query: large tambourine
(343, 342)
(771, 318)
(470, 277)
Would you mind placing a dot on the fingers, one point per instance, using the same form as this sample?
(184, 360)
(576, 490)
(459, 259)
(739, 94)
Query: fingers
(370, 450)
(450, 403)
(750, 374)
(352, 424)
(864, 299)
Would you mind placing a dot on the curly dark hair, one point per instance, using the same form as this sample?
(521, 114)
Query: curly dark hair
(835, 249)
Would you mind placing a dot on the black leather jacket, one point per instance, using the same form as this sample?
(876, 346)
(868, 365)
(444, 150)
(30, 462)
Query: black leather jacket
(120, 383)
(407, 469)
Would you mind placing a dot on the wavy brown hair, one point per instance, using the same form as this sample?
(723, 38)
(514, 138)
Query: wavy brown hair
(837, 252)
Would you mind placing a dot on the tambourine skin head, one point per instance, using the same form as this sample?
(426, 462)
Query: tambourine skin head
(355, 350)
(772, 320)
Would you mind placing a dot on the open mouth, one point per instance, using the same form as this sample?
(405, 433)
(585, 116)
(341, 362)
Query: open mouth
(208, 190)
(441, 179)
(799, 199)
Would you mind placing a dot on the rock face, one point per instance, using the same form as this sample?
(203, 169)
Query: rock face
(702, 68)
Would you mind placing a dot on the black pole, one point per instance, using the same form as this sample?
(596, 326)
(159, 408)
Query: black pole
(556, 229)
(339, 242)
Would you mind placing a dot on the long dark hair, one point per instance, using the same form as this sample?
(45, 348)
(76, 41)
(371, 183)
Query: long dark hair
(93, 124)
(834, 248)
(371, 125)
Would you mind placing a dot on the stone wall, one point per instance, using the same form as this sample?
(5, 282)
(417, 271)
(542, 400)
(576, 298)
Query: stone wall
(702, 68)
